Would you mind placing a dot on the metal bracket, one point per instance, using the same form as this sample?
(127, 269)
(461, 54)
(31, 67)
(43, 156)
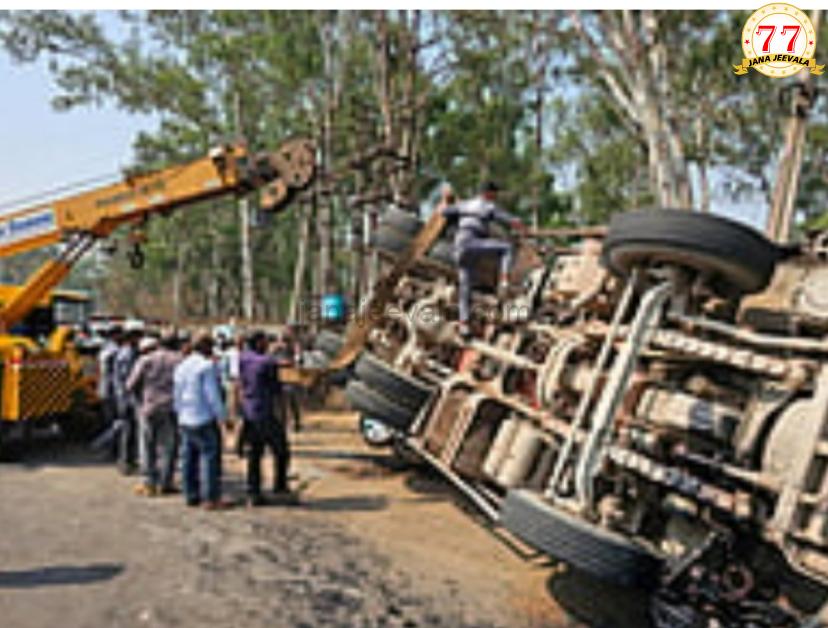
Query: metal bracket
(594, 452)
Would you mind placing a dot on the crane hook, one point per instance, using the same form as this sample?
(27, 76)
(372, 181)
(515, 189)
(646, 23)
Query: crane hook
(136, 257)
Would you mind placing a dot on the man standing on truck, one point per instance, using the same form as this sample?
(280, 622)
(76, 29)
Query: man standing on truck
(260, 390)
(472, 243)
(124, 360)
(151, 381)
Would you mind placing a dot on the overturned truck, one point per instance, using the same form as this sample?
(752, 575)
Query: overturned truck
(651, 407)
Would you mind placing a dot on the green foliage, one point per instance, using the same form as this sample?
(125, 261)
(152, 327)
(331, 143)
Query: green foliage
(513, 95)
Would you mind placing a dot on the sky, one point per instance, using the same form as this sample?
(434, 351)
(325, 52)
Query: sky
(45, 149)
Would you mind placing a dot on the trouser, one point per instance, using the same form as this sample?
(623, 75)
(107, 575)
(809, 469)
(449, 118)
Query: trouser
(290, 396)
(200, 463)
(108, 438)
(126, 438)
(230, 400)
(158, 431)
(109, 409)
(261, 434)
(220, 439)
(469, 256)
(241, 443)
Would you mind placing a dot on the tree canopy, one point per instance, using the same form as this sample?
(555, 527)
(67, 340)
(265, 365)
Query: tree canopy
(576, 114)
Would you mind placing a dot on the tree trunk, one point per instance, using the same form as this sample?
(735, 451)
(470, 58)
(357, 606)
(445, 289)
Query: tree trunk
(214, 286)
(247, 277)
(322, 206)
(540, 80)
(297, 298)
(631, 60)
(180, 257)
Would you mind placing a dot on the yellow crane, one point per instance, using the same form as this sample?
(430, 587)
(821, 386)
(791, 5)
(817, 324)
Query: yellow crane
(39, 380)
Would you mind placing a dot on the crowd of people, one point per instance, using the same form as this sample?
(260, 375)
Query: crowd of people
(169, 400)
(171, 396)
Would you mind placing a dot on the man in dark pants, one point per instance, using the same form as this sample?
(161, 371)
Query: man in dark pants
(124, 360)
(286, 351)
(259, 391)
(473, 242)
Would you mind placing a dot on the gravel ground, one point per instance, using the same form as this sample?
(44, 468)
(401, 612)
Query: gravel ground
(79, 550)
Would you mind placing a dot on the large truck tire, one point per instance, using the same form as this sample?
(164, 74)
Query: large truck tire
(732, 254)
(594, 550)
(403, 221)
(374, 404)
(381, 377)
(390, 241)
(328, 342)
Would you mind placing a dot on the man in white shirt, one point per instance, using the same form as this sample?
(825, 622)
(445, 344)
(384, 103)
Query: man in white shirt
(199, 407)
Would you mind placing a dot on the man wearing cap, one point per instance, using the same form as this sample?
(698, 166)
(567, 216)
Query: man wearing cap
(472, 242)
(151, 381)
(199, 408)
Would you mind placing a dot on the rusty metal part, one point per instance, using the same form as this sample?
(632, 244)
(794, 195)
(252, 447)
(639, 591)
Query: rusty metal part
(762, 341)
(273, 196)
(743, 359)
(295, 162)
(372, 312)
(551, 374)
(646, 319)
(674, 478)
(597, 373)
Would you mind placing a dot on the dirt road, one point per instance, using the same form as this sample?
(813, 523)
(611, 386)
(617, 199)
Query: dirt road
(371, 546)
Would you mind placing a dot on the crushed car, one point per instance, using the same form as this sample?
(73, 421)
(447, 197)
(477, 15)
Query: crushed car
(651, 407)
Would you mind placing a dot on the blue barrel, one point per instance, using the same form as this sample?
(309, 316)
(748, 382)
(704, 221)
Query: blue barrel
(333, 308)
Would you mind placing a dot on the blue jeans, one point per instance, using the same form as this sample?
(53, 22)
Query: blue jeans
(200, 461)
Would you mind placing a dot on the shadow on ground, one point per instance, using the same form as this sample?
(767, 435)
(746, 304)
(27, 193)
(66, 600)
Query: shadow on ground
(359, 503)
(324, 454)
(53, 452)
(599, 604)
(59, 575)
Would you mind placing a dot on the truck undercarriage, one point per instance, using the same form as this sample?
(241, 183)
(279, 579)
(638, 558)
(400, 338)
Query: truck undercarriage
(650, 408)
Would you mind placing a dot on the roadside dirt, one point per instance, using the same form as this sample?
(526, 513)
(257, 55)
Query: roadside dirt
(372, 545)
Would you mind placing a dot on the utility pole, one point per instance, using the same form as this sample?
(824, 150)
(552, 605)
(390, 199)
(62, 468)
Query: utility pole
(781, 215)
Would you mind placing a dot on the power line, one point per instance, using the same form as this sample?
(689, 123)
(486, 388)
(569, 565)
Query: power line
(41, 196)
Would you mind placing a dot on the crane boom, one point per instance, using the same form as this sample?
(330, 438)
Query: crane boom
(79, 220)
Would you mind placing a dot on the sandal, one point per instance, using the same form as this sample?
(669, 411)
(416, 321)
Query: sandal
(146, 490)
